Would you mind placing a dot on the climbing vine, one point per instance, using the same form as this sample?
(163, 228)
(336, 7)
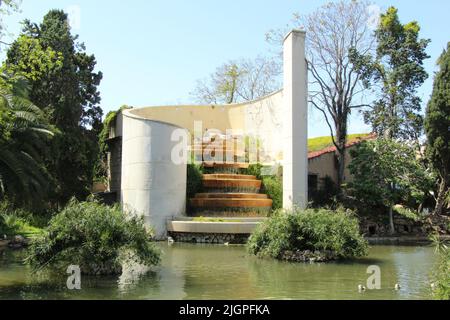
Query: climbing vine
(101, 165)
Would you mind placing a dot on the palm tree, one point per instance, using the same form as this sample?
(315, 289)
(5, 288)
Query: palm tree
(23, 136)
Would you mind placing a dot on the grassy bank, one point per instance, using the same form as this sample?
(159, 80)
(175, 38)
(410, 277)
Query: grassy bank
(20, 222)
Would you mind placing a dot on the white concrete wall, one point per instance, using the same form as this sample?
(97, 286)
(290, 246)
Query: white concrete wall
(152, 184)
(264, 120)
(295, 122)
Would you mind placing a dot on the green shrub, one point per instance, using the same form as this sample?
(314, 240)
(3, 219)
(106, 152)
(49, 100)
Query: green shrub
(254, 170)
(336, 231)
(273, 187)
(95, 237)
(441, 274)
(194, 180)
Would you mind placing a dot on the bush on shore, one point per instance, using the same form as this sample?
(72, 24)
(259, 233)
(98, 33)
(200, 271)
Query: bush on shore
(441, 274)
(95, 237)
(309, 230)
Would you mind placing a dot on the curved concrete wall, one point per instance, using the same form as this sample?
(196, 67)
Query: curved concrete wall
(152, 184)
(261, 118)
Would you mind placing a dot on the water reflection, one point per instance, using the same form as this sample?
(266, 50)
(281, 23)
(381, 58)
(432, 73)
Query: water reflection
(221, 272)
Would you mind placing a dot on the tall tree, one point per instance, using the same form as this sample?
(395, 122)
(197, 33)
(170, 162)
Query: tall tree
(437, 128)
(387, 173)
(394, 73)
(239, 80)
(335, 88)
(67, 92)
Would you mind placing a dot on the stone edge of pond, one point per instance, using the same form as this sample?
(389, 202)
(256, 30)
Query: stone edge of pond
(403, 240)
(17, 242)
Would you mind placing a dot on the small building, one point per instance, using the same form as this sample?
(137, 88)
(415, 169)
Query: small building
(322, 164)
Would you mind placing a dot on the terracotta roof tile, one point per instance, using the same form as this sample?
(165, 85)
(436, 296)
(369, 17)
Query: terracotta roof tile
(316, 154)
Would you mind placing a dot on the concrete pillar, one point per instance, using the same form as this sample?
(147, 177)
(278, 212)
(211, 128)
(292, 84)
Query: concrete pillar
(295, 122)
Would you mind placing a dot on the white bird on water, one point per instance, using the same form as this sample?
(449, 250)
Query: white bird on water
(397, 287)
(361, 288)
(170, 240)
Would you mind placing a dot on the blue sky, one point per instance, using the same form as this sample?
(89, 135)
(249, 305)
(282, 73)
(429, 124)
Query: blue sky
(152, 52)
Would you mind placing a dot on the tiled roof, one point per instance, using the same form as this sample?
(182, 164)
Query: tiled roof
(316, 154)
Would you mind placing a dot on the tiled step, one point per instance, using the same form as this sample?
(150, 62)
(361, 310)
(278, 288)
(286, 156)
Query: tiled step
(228, 176)
(224, 165)
(241, 184)
(238, 213)
(230, 203)
(231, 195)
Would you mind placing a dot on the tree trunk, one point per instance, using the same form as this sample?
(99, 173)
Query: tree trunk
(341, 141)
(391, 221)
(340, 168)
(442, 195)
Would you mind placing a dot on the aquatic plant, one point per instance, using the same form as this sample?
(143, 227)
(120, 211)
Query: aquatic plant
(313, 230)
(96, 237)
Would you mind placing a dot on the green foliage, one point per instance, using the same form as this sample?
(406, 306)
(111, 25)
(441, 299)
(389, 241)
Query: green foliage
(398, 70)
(194, 180)
(337, 231)
(441, 274)
(63, 84)
(24, 132)
(254, 169)
(437, 124)
(96, 237)
(33, 60)
(407, 213)
(19, 221)
(100, 171)
(387, 173)
(273, 187)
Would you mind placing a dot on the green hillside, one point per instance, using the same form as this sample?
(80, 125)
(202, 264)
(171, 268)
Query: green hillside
(320, 143)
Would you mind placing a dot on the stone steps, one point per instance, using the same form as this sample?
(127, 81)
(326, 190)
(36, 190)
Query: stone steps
(231, 195)
(237, 213)
(237, 203)
(216, 176)
(230, 198)
(225, 165)
(228, 184)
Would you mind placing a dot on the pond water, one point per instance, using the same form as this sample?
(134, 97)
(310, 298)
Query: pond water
(221, 272)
